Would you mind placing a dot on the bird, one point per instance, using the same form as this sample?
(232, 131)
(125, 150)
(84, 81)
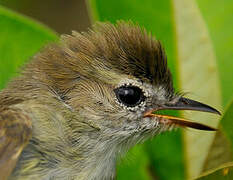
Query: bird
(82, 102)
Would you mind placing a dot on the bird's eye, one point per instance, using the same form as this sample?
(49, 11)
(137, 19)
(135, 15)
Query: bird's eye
(129, 95)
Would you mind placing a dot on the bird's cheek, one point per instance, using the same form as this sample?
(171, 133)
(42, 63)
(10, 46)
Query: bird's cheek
(156, 124)
(147, 123)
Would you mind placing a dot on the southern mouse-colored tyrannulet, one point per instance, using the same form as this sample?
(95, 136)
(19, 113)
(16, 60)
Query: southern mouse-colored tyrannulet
(79, 104)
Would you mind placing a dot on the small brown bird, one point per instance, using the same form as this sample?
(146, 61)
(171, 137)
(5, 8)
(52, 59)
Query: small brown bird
(79, 104)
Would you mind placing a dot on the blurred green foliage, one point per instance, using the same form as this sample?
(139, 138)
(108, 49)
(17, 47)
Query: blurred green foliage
(227, 123)
(218, 17)
(20, 38)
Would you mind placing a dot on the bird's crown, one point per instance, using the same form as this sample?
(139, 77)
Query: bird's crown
(107, 53)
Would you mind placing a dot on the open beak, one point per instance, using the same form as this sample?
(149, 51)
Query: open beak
(183, 104)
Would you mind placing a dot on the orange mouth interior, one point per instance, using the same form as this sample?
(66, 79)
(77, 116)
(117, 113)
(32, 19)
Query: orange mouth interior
(172, 120)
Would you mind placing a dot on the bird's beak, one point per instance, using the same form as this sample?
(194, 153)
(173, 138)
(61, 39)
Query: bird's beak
(183, 104)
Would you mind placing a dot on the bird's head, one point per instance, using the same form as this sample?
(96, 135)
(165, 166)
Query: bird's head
(116, 78)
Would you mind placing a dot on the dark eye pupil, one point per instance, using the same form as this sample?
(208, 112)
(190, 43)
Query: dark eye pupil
(129, 95)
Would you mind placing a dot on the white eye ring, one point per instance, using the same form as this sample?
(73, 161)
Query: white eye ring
(141, 103)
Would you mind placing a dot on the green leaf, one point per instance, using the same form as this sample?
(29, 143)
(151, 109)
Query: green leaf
(224, 172)
(198, 73)
(221, 150)
(20, 39)
(218, 17)
(227, 123)
(219, 153)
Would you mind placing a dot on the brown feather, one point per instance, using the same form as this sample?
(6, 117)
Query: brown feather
(15, 132)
